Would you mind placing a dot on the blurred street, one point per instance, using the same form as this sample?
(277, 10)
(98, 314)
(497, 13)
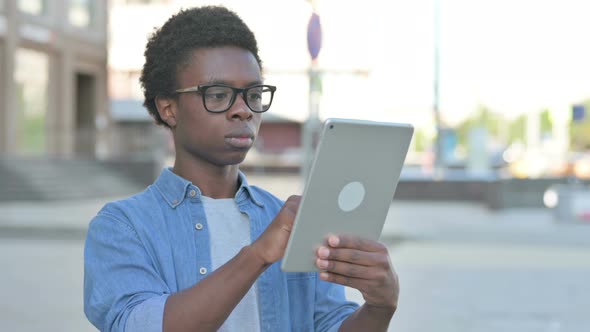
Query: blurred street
(462, 267)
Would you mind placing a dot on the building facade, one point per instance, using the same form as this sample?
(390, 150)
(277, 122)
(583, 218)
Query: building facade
(53, 77)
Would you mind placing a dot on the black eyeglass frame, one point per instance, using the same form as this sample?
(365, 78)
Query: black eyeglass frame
(202, 89)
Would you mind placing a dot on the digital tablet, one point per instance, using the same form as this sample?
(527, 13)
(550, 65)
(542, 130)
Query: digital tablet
(350, 187)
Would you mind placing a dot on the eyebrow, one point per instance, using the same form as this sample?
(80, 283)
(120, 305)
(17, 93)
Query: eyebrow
(223, 82)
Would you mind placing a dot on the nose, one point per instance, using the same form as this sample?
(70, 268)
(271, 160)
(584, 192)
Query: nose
(239, 110)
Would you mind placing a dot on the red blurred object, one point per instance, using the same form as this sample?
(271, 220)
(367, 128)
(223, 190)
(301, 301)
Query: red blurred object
(584, 216)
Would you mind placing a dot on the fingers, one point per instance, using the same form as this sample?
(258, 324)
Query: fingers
(353, 250)
(350, 261)
(356, 283)
(361, 264)
(292, 203)
(288, 212)
(355, 262)
(355, 242)
(350, 255)
(381, 291)
(272, 242)
(345, 269)
(363, 284)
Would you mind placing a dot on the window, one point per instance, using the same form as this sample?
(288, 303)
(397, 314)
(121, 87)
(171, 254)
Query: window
(31, 78)
(80, 13)
(33, 7)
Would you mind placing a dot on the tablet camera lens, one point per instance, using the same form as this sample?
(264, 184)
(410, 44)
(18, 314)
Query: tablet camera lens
(331, 126)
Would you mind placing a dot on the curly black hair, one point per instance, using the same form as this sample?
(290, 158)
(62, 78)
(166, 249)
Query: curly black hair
(170, 47)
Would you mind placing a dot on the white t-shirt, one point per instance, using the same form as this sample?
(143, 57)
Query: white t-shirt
(229, 232)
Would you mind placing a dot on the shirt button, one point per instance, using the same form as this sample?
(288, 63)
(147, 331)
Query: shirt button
(202, 270)
(175, 202)
(199, 226)
(193, 193)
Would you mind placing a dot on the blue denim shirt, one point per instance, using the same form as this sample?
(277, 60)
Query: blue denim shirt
(142, 249)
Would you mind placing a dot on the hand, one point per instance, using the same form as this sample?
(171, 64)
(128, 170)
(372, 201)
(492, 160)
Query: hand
(270, 246)
(361, 264)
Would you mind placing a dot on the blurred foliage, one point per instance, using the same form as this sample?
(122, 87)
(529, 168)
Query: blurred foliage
(497, 126)
(421, 142)
(483, 117)
(517, 129)
(509, 131)
(546, 122)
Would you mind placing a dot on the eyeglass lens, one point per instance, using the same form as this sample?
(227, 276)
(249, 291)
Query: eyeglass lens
(220, 98)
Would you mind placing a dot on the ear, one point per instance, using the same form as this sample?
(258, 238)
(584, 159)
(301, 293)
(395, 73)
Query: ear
(167, 110)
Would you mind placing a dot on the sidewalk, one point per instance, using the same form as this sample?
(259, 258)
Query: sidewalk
(48, 218)
(406, 220)
(470, 222)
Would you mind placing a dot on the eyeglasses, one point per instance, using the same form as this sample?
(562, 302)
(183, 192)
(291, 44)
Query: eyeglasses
(218, 98)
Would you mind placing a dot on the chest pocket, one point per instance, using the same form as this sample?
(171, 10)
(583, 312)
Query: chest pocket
(301, 286)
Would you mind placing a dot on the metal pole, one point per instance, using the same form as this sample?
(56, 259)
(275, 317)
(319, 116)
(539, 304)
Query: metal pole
(310, 127)
(438, 161)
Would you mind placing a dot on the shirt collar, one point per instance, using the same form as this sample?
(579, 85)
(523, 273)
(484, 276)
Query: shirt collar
(246, 191)
(174, 188)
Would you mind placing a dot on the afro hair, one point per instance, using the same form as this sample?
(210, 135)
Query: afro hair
(169, 47)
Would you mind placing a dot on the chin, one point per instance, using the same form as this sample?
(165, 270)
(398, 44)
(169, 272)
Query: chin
(235, 159)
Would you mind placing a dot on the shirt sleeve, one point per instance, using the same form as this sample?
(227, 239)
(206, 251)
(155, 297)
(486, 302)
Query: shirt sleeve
(331, 307)
(121, 286)
(147, 316)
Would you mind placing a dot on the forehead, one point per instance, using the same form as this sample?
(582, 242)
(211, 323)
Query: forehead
(231, 65)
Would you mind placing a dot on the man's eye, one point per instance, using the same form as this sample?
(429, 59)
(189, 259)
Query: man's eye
(254, 96)
(216, 95)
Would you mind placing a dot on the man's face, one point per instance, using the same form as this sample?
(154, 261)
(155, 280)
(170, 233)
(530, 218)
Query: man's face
(219, 139)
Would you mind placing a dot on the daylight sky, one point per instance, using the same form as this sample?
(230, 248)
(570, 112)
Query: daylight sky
(513, 56)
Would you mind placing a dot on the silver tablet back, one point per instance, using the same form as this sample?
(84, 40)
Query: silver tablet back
(350, 188)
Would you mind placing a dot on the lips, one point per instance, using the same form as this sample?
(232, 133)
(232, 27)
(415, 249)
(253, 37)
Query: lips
(240, 139)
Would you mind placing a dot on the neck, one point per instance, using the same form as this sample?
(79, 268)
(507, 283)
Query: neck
(213, 181)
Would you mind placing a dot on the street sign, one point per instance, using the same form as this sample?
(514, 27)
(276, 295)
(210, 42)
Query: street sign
(578, 113)
(314, 36)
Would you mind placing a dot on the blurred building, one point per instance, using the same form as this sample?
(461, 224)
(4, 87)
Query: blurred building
(132, 133)
(53, 77)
